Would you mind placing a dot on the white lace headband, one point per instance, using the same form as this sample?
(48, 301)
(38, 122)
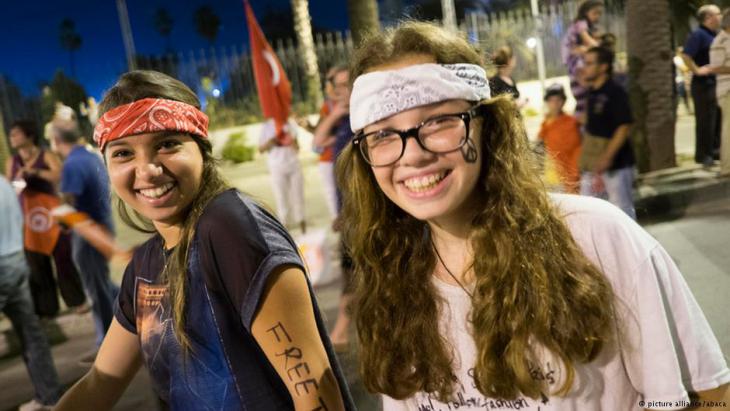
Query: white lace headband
(381, 94)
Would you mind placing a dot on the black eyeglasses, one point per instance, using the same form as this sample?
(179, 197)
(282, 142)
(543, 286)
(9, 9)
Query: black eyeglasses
(440, 134)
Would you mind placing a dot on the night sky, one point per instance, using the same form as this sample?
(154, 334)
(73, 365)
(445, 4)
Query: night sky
(31, 51)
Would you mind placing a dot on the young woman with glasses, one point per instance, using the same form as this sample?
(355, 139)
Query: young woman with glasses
(475, 289)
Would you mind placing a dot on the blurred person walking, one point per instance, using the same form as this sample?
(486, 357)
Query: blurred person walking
(334, 130)
(287, 181)
(38, 171)
(560, 133)
(15, 302)
(607, 159)
(720, 65)
(326, 150)
(502, 82)
(85, 186)
(581, 36)
(696, 56)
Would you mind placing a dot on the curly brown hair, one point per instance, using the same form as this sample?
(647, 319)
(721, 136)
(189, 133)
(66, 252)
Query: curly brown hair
(533, 284)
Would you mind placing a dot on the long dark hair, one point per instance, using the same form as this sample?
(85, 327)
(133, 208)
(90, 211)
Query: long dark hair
(533, 283)
(137, 85)
(29, 128)
(585, 8)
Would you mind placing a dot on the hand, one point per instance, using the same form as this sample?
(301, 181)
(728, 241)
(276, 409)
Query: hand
(341, 109)
(603, 163)
(597, 184)
(703, 71)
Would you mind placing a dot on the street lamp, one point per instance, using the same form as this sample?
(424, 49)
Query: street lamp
(538, 43)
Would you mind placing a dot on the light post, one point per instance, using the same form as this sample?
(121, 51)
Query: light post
(126, 33)
(538, 44)
(449, 15)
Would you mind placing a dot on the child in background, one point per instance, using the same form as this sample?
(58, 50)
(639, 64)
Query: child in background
(560, 132)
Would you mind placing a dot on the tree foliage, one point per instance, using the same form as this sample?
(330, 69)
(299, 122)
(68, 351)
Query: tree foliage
(70, 40)
(207, 23)
(163, 22)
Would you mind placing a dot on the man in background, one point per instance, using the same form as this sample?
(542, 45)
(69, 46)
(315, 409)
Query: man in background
(607, 159)
(697, 56)
(85, 186)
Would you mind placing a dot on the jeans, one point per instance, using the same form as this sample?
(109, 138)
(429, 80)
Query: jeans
(94, 270)
(15, 302)
(618, 188)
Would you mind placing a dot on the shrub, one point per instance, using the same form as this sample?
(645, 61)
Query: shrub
(236, 150)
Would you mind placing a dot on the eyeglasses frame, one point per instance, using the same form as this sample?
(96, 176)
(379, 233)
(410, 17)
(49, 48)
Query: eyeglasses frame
(466, 117)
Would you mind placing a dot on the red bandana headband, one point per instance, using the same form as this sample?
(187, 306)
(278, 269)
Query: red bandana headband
(149, 115)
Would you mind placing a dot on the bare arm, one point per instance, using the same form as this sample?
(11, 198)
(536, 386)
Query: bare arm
(588, 40)
(323, 133)
(695, 69)
(286, 331)
(719, 70)
(117, 362)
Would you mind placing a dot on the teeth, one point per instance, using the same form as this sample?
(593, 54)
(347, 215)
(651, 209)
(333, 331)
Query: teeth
(157, 192)
(420, 184)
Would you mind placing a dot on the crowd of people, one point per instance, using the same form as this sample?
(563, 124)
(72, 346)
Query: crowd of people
(468, 285)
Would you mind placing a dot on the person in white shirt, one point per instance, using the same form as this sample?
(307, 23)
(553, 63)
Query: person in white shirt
(286, 172)
(474, 288)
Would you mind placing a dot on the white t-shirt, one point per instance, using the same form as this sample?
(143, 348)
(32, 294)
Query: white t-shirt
(280, 157)
(666, 347)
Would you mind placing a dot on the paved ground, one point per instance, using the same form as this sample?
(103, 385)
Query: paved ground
(697, 242)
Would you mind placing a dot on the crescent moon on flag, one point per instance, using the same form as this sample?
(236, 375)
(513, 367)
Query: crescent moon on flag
(276, 76)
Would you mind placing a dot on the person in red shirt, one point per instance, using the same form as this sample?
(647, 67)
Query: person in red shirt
(560, 132)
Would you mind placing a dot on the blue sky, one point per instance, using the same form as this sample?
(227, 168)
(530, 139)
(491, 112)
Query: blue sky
(31, 52)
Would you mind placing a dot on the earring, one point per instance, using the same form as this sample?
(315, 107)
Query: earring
(470, 152)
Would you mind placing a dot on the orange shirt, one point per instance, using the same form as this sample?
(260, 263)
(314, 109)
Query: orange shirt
(562, 141)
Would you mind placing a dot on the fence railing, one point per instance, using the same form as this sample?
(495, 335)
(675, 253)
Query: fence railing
(515, 27)
(223, 77)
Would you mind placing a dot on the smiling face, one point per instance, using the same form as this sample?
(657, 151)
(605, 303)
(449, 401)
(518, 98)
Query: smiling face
(157, 174)
(427, 185)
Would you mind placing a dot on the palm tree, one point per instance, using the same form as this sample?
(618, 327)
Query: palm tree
(207, 23)
(163, 24)
(363, 16)
(4, 149)
(303, 28)
(70, 40)
(651, 85)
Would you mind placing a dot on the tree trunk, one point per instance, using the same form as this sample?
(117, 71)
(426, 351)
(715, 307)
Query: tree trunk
(303, 28)
(4, 147)
(363, 16)
(651, 83)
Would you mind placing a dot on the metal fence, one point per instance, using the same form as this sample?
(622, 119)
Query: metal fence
(515, 27)
(223, 77)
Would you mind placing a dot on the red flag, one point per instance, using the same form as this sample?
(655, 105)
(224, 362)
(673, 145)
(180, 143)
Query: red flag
(273, 87)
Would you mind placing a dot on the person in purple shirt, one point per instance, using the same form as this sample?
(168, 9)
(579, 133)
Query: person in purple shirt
(696, 56)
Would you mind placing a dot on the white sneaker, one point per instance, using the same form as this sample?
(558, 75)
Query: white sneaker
(34, 405)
